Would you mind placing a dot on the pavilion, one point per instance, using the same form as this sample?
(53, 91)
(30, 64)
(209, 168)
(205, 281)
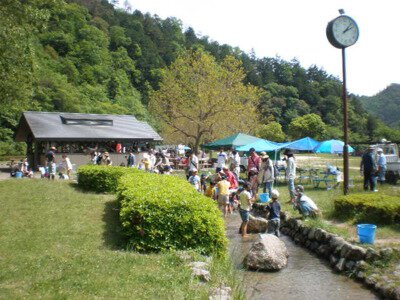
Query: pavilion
(77, 134)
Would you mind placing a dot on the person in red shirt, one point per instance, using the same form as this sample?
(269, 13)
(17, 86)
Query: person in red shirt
(231, 178)
(254, 162)
(234, 185)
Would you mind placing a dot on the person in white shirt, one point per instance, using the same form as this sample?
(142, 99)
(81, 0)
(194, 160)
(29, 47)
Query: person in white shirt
(235, 163)
(221, 160)
(304, 204)
(67, 165)
(290, 173)
(193, 163)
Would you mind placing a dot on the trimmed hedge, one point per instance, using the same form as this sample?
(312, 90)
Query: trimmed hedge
(369, 208)
(161, 212)
(102, 179)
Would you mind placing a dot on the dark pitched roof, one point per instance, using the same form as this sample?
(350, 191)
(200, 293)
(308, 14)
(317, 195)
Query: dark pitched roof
(52, 126)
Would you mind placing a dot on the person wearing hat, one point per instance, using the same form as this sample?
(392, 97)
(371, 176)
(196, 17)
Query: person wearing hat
(304, 204)
(51, 162)
(368, 169)
(290, 174)
(381, 162)
(106, 160)
(266, 176)
(274, 217)
(253, 163)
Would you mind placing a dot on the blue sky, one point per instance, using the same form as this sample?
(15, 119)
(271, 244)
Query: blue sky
(296, 29)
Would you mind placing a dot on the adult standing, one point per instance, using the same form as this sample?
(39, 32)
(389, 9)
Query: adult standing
(381, 162)
(131, 160)
(266, 175)
(51, 163)
(222, 157)
(368, 168)
(254, 163)
(290, 173)
(235, 164)
(193, 163)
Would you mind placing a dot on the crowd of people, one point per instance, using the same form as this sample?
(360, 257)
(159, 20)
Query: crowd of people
(233, 192)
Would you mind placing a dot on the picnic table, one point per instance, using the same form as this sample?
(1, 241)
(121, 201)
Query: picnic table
(327, 178)
(204, 163)
(307, 174)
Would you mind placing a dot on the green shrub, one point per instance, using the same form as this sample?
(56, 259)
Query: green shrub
(102, 179)
(369, 208)
(165, 212)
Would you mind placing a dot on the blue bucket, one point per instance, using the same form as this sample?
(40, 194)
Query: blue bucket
(366, 233)
(18, 174)
(264, 197)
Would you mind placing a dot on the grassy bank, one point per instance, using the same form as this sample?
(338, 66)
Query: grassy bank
(56, 242)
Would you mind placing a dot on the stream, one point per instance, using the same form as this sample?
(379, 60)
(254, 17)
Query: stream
(305, 277)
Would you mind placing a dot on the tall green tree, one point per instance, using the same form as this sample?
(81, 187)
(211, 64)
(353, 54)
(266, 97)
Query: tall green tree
(310, 125)
(271, 131)
(200, 100)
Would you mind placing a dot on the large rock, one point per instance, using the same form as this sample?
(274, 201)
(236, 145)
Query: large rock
(356, 253)
(257, 225)
(269, 253)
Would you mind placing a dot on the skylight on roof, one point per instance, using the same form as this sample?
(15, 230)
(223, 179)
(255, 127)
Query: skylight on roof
(85, 121)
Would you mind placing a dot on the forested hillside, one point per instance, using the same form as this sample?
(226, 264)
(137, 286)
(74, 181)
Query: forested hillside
(385, 104)
(89, 56)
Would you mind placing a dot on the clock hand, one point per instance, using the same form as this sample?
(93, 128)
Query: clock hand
(348, 28)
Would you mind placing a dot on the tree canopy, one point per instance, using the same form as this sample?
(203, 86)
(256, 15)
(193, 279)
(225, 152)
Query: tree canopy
(200, 100)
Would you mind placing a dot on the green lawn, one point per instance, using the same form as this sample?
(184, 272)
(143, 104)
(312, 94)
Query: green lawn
(325, 198)
(58, 242)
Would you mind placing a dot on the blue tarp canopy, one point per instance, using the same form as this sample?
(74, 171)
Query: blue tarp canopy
(232, 141)
(261, 145)
(304, 144)
(331, 146)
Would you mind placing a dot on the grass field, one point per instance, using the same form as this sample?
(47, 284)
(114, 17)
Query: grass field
(58, 242)
(325, 198)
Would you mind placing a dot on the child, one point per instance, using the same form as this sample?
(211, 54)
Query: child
(194, 180)
(274, 214)
(210, 191)
(223, 195)
(203, 183)
(245, 202)
(304, 204)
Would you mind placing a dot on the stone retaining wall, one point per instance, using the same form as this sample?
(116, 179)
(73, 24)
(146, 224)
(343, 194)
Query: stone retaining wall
(343, 256)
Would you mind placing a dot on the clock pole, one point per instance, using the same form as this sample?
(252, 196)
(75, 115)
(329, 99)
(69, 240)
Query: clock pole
(345, 127)
(342, 32)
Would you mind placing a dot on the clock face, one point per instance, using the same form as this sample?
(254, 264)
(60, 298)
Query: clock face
(344, 31)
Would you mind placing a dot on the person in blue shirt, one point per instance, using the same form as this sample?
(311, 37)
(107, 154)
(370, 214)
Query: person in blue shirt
(381, 162)
(274, 217)
(368, 168)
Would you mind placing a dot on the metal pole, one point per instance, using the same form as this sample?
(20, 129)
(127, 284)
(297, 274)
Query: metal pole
(345, 128)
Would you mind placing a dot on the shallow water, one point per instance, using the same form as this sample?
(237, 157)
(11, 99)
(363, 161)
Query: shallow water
(305, 277)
